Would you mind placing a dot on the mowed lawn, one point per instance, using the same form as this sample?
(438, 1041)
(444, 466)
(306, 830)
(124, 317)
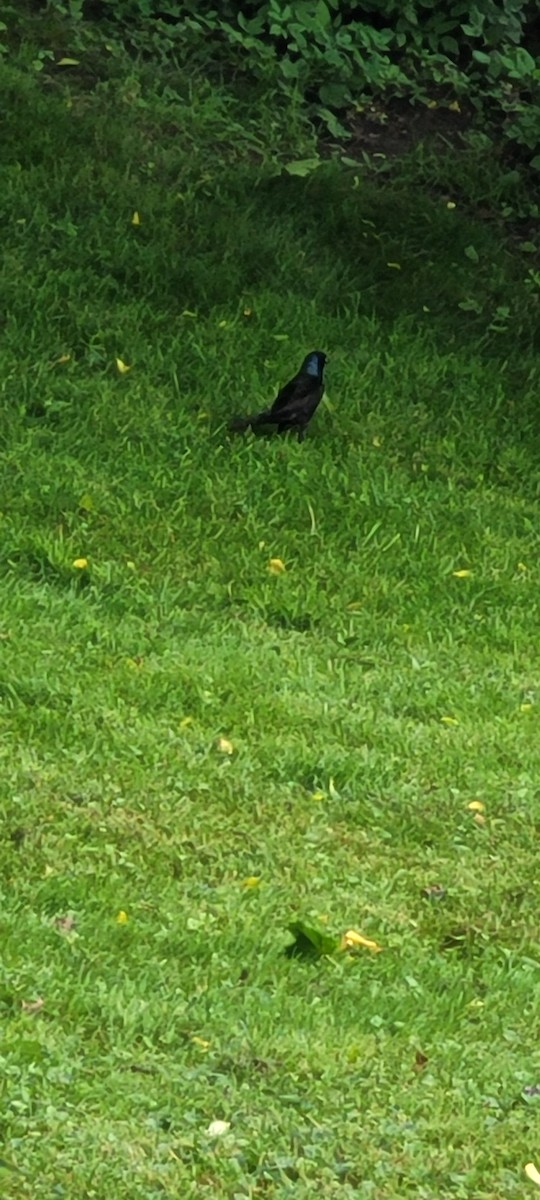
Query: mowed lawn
(200, 747)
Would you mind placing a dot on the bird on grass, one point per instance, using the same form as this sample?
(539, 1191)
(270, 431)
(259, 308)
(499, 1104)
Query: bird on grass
(295, 404)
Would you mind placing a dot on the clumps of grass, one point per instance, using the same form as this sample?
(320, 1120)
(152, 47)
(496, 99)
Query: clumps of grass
(253, 686)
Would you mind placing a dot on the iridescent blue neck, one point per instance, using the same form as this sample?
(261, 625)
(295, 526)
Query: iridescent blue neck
(312, 366)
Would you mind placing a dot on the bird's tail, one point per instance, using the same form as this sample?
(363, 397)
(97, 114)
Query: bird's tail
(240, 424)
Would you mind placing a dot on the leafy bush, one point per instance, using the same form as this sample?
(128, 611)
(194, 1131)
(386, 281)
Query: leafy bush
(333, 54)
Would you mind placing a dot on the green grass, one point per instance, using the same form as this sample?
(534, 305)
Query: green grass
(347, 792)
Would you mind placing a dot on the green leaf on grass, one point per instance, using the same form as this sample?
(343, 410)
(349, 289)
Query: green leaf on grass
(302, 167)
(470, 305)
(310, 942)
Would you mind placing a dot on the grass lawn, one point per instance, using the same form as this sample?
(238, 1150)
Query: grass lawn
(197, 751)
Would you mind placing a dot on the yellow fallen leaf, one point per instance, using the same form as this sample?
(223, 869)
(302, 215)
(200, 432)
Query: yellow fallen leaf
(377, 441)
(200, 1042)
(251, 881)
(455, 106)
(276, 566)
(525, 707)
(463, 574)
(532, 1173)
(185, 722)
(449, 720)
(130, 564)
(352, 940)
(476, 806)
(64, 358)
(68, 62)
(222, 324)
(122, 367)
(248, 312)
(451, 204)
(65, 924)
(432, 103)
(522, 567)
(317, 795)
(425, 308)
(395, 265)
(121, 917)
(135, 220)
(32, 1006)
(80, 563)
(225, 746)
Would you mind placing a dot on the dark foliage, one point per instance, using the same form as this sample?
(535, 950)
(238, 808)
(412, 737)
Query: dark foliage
(484, 52)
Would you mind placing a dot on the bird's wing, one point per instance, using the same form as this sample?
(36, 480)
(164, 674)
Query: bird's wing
(285, 402)
(301, 405)
(292, 393)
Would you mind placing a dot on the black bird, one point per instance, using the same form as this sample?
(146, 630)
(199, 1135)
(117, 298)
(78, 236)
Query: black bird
(295, 404)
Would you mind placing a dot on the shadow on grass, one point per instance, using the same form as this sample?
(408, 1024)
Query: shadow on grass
(77, 167)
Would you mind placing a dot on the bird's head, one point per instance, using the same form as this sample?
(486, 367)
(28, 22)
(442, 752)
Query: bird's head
(313, 363)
